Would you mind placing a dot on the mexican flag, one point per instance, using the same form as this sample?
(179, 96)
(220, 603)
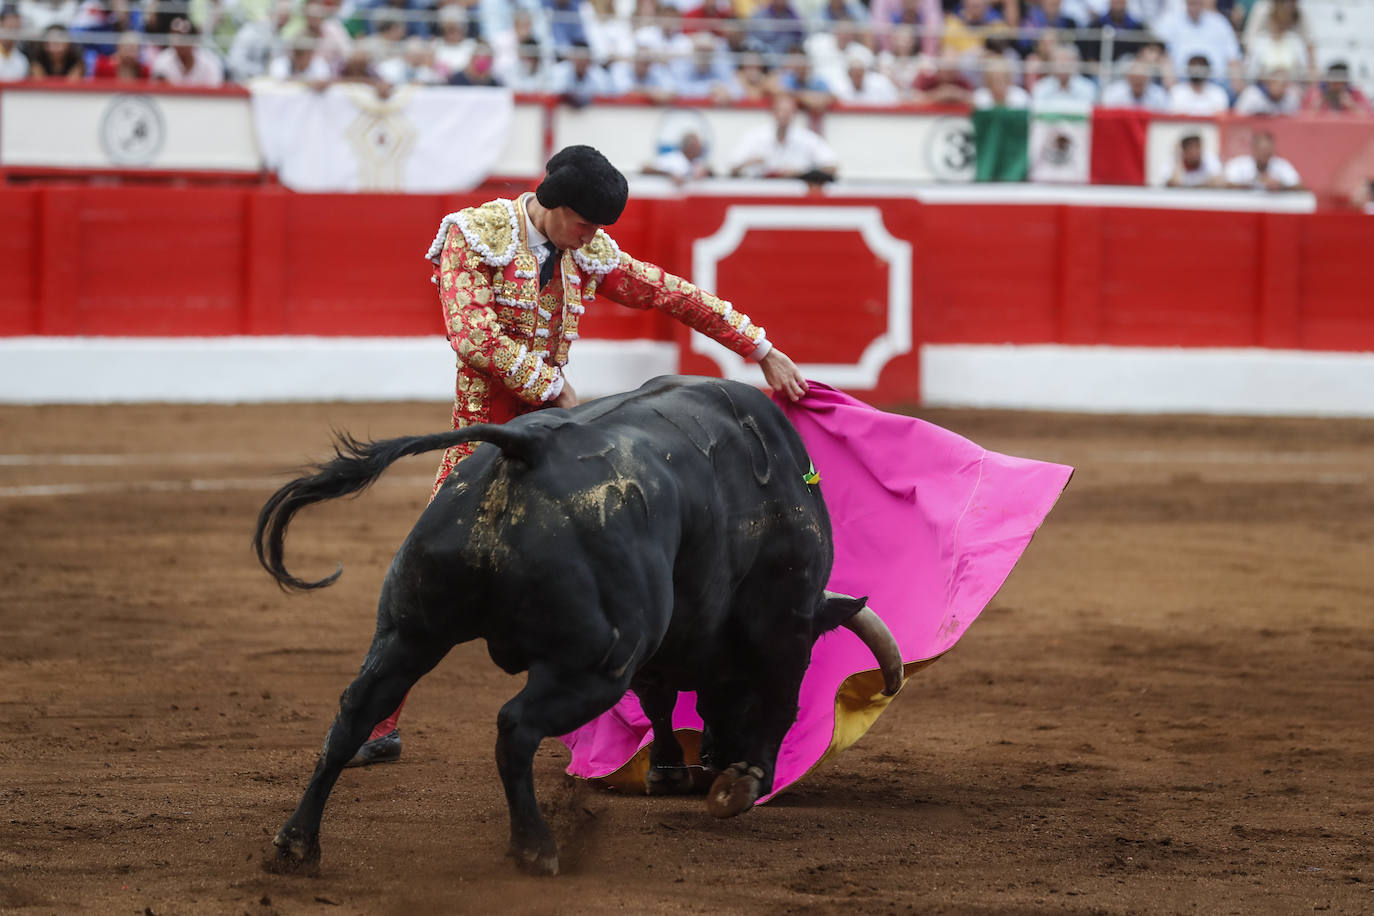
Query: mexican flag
(1044, 144)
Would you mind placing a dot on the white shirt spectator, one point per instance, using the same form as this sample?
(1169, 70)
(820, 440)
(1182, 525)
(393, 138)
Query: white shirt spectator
(39, 14)
(801, 150)
(255, 45)
(316, 72)
(14, 65)
(1254, 100)
(563, 79)
(1210, 35)
(205, 69)
(1016, 98)
(1120, 95)
(1210, 99)
(1243, 171)
(453, 57)
(877, 89)
(1208, 169)
(1079, 91)
(1266, 53)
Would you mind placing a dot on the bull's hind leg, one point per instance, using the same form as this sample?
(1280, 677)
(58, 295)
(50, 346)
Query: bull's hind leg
(392, 666)
(668, 773)
(552, 703)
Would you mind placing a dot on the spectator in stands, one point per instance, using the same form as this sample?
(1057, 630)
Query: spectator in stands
(968, 25)
(1153, 53)
(96, 21)
(864, 85)
(784, 149)
(658, 25)
(1259, 19)
(298, 62)
(755, 78)
(707, 73)
(1279, 44)
(565, 25)
(644, 74)
(944, 84)
(411, 64)
(186, 62)
(1124, 44)
(1198, 95)
(453, 48)
(1192, 167)
(577, 79)
(126, 63)
(999, 89)
(899, 61)
(609, 34)
(320, 23)
(1262, 170)
(1275, 94)
(811, 90)
(56, 57)
(1135, 89)
(775, 27)
(387, 25)
(1042, 15)
(685, 162)
(14, 63)
(479, 71)
(921, 17)
(1335, 95)
(1198, 30)
(39, 14)
(1064, 84)
(521, 62)
(258, 42)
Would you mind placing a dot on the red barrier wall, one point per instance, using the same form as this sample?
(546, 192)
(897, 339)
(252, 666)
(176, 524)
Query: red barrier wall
(215, 261)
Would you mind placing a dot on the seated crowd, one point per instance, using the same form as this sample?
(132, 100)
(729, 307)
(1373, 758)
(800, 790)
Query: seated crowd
(1198, 57)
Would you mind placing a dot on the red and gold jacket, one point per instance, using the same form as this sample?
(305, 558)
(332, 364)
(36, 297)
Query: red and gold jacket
(512, 338)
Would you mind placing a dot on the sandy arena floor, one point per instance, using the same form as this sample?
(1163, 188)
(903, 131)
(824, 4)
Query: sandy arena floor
(1165, 710)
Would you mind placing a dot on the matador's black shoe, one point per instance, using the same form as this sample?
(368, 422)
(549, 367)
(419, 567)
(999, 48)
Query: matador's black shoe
(386, 749)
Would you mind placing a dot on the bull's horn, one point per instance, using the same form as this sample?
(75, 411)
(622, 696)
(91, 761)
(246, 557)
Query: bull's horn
(869, 627)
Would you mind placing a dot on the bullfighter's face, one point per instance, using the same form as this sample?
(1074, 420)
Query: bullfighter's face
(566, 229)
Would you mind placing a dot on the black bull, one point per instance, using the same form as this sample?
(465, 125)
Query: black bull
(660, 540)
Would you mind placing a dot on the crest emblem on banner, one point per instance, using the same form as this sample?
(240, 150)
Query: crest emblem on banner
(382, 138)
(950, 149)
(132, 130)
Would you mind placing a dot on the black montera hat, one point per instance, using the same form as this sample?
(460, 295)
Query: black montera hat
(581, 178)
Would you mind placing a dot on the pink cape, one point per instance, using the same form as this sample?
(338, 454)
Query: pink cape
(927, 524)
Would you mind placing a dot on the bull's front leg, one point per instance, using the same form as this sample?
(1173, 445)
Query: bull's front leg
(668, 773)
(552, 703)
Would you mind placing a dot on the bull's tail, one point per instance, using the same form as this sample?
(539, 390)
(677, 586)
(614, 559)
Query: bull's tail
(354, 467)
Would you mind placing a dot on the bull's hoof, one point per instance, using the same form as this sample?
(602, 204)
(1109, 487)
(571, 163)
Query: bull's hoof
(292, 854)
(735, 790)
(668, 781)
(534, 862)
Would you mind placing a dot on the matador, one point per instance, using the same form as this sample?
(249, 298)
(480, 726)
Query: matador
(515, 277)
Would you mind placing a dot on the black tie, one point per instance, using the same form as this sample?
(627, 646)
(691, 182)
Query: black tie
(546, 269)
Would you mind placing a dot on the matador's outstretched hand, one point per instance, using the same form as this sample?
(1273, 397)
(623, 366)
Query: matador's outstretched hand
(783, 375)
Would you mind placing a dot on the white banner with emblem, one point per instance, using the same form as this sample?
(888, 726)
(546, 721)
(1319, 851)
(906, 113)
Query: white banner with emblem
(347, 139)
(95, 130)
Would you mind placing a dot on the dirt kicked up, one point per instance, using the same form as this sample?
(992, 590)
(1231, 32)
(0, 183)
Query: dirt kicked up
(1166, 709)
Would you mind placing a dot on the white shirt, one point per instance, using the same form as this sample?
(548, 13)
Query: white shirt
(1210, 100)
(1255, 101)
(1211, 36)
(13, 66)
(1265, 53)
(1243, 171)
(801, 150)
(877, 89)
(1208, 168)
(315, 72)
(1080, 90)
(1016, 98)
(1119, 95)
(206, 70)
